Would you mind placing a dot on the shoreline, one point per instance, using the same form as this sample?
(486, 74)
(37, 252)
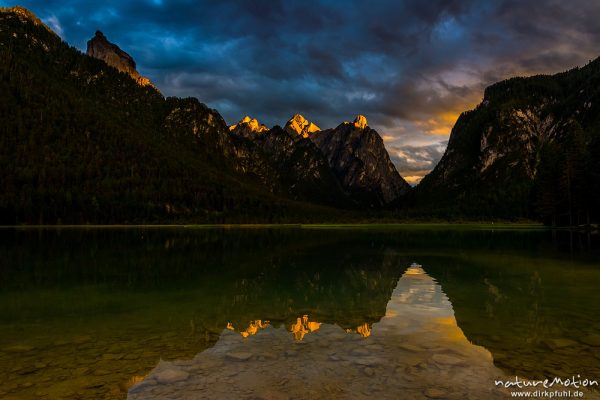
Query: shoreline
(352, 226)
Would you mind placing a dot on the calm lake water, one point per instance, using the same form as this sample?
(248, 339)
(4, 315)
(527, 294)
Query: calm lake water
(284, 313)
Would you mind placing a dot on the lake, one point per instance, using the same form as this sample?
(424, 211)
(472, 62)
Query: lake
(295, 312)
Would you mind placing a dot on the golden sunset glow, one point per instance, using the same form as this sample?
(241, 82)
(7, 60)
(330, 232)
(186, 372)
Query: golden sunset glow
(281, 200)
(252, 329)
(299, 329)
(303, 326)
(448, 328)
(413, 179)
(442, 123)
(134, 380)
(364, 330)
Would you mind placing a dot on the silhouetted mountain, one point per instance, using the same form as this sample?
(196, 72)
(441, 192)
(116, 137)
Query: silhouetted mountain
(347, 162)
(298, 166)
(360, 161)
(530, 149)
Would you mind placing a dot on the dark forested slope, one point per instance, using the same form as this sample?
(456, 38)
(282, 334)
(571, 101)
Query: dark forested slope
(81, 142)
(530, 149)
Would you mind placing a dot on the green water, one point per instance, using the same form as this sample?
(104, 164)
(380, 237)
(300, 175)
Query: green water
(87, 313)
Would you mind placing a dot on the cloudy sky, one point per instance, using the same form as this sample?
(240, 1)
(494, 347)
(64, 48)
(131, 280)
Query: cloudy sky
(411, 67)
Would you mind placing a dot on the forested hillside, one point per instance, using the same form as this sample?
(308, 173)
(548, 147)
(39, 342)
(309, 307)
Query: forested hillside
(531, 149)
(81, 142)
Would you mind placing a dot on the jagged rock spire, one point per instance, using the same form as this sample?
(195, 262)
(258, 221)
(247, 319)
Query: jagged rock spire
(360, 122)
(248, 127)
(301, 126)
(99, 47)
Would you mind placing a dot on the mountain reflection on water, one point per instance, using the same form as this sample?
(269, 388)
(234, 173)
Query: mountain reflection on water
(89, 314)
(416, 349)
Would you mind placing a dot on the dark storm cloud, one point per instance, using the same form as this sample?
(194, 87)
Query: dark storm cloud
(410, 66)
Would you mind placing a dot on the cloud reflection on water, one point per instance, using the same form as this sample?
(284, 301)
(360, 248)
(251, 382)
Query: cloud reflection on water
(415, 349)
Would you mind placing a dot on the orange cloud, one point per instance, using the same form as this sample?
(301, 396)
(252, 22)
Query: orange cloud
(442, 123)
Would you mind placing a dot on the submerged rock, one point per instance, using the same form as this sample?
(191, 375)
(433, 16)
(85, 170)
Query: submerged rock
(19, 348)
(445, 359)
(172, 375)
(559, 343)
(434, 393)
(239, 356)
(592, 340)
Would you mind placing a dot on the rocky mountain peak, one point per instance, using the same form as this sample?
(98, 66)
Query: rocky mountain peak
(248, 127)
(360, 122)
(361, 163)
(99, 47)
(301, 126)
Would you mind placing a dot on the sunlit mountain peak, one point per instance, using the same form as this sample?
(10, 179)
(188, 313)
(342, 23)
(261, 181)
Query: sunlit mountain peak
(101, 48)
(248, 127)
(301, 126)
(360, 122)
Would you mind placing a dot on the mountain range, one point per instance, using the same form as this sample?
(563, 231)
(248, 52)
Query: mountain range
(86, 139)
